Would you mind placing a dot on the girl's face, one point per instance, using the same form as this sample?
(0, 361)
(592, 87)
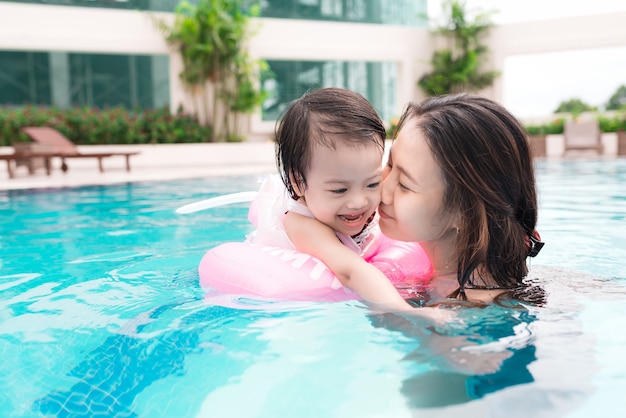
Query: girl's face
(413, 190)
(343, 185)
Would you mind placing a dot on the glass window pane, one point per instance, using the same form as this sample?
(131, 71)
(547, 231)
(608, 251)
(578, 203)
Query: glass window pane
(24, 78)
(152, 5)
(291, 79)
(68, 79)
(388, 12)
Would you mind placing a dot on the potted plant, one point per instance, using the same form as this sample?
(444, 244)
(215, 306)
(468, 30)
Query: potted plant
(537, 138)
(458, 67)
(617, 124)
(537, 135)
(621, 133)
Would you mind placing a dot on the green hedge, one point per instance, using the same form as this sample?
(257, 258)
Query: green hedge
(613, 123)
(90, 126)
(608, 123)
(554, 127)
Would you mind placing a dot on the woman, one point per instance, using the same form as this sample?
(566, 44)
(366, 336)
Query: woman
(460, 181)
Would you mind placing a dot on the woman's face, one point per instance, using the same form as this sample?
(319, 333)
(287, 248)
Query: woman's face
(413, 189)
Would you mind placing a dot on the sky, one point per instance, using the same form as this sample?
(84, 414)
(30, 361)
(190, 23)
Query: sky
(534, 85)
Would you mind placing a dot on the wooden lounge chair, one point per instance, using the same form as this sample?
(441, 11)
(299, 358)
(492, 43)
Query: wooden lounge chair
(59, 146)
(32, 155)
(583, 135)
(31, 159)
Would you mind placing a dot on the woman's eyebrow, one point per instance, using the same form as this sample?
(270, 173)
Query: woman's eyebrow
(406, 174)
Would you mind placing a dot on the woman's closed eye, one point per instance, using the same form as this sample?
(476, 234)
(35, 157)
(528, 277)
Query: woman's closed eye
(402, 186)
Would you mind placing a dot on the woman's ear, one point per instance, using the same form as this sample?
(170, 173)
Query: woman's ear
(455, 222)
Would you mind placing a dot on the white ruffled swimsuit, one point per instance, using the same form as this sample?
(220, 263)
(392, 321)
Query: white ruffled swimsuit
(269, 208)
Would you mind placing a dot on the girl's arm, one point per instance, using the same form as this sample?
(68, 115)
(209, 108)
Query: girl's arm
(311, 236)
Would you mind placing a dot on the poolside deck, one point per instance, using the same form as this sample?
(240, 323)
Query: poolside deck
(177, 161)
(155, 162)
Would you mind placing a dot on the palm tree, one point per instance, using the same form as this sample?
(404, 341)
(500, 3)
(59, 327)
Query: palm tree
(210, 38)
(457, 68)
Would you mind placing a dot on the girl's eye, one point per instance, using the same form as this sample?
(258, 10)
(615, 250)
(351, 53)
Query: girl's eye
(339, 191)
(373, 185)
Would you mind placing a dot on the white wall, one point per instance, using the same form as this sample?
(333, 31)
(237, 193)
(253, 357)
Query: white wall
(572, 33)
(78, 29)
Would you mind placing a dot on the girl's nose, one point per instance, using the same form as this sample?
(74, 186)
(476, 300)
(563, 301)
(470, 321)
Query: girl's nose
(358, 200)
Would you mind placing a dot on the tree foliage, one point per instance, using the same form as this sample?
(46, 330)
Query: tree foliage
(210, 37)
(575, 107)
(618, 100)
(458, 68)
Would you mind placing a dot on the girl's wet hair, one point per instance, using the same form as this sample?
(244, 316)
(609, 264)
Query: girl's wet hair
(486, 161)
(322, 117)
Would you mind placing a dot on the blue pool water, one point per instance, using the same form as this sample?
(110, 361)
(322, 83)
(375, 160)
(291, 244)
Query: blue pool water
(101, 315)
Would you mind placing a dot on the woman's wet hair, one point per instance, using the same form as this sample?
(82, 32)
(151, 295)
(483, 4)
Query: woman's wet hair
(485, 157)
(322, 117)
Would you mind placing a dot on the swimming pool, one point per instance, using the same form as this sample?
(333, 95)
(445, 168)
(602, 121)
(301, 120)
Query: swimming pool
(101, 315)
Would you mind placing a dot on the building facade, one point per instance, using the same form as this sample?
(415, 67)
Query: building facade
(110, 52)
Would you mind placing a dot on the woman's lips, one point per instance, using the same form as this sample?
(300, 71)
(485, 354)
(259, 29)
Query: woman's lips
(382, 213)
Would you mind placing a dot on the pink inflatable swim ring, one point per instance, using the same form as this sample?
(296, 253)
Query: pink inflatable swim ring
(245, 268)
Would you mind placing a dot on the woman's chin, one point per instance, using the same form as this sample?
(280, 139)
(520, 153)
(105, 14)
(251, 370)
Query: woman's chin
(388, 230)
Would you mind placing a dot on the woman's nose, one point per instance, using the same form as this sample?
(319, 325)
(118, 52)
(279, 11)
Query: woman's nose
(386, 189)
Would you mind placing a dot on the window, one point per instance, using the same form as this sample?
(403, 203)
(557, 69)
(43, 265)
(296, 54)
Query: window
(290, 79)
(68, 79)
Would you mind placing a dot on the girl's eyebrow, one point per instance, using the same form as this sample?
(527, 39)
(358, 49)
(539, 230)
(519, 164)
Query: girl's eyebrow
(372, 177)
(337, 181)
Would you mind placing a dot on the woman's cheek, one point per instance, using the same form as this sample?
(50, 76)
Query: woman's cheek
(406, 219)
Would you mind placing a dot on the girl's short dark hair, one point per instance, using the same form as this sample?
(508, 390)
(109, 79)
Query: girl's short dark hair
(321, 117)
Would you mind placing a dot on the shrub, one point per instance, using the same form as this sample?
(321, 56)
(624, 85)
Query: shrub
(614, 123)
(610, 122)
(91, 126)
(556, 126)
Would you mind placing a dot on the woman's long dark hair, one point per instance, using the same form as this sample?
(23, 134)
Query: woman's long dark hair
(486, 161)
